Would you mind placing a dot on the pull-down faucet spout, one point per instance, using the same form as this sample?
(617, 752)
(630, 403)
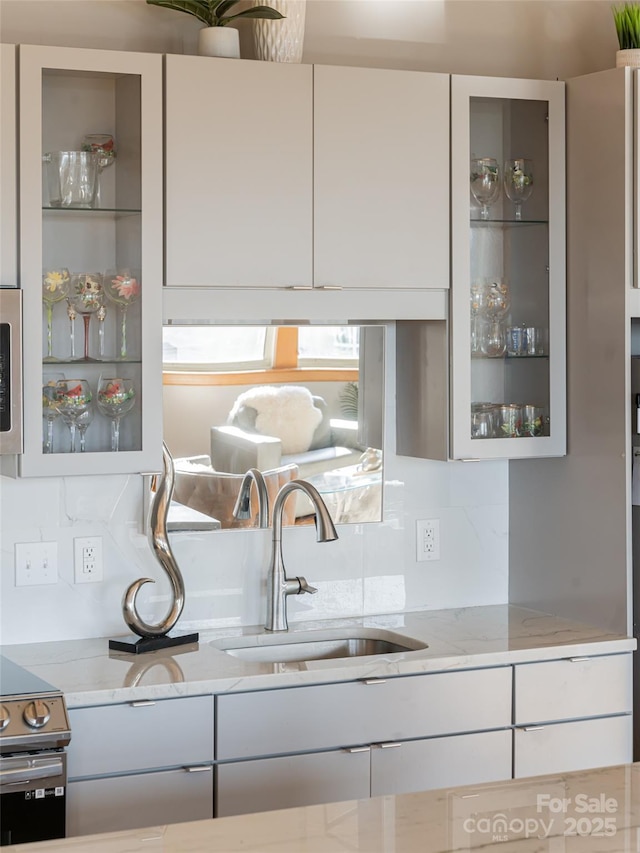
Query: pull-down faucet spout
(242, 508)
(278, 585)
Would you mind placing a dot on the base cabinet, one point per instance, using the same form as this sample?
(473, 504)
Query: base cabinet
(147, 799)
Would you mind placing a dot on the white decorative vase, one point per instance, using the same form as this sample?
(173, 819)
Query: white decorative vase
(630, 58)
(281, 40)
(219, 41)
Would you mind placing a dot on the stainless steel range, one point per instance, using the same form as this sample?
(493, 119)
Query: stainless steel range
(34, 731)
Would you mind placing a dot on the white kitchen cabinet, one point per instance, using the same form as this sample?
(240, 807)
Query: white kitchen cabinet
(371, 734)
(113, 750)
(508, 318)
(146, 799)
(292, 780)
(593, 699)
(380, 178)
(302, 176)
(238, 181)
(65, 94)
(8, 168)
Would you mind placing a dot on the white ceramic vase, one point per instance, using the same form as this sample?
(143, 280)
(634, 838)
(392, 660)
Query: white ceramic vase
(281, 40)
(630, 58)
(219, 41)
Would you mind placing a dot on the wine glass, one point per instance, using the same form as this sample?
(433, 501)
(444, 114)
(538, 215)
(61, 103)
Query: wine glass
(87, 298)
(518, 181)
(478, 301)
(74, 399)
(116, 398)
(497, 304)
(104, 145)
(83, 422)
(122, 286)
(485, 183)
(50, 409)
(55, 286)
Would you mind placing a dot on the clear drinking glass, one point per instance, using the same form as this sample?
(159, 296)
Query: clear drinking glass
(497, 304)
(72, 178)
(116, 398)
(86, 298)
(122, 287)
(103, 145)
(55, 286)
(74, 399)
(485, 183)
(50, 409)
(518, 181)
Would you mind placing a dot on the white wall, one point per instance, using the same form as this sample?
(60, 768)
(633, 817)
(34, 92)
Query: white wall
(372, 568)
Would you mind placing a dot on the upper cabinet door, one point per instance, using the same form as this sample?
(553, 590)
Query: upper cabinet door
(381, 178)
(508, 317)
(8, 176)
(91, 260)
(238, 173)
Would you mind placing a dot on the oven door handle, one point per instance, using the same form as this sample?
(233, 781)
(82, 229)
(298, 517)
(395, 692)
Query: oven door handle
(29, 769)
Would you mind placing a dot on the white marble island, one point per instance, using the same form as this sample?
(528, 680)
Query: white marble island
(592, 812)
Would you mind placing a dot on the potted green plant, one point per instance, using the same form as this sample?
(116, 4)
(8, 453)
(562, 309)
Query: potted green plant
(217, 38)
(627, 22)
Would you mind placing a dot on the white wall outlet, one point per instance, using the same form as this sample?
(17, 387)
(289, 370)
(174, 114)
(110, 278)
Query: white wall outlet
(428, 539)
(36, 563)
(88, 559)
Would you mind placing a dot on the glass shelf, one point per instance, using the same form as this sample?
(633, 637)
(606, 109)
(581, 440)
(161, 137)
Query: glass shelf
(507, 357)
(80, 362)
(517, 223)
(91, 211)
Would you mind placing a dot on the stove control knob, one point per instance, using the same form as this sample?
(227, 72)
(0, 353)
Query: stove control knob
(5, 716)
(37, 714)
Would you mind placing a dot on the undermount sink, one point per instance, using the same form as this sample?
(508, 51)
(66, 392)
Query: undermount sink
(318, 645)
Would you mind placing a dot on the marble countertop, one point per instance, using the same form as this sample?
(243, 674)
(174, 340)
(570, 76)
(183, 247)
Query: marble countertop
(589, 811)
(90, 674)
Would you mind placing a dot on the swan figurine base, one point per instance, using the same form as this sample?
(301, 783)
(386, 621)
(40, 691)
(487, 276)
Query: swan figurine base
(135, 645)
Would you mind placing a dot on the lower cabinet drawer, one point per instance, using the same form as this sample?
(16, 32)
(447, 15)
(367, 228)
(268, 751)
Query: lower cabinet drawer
(140, 736)
(337, 715)
(441, 762)
(572, 688)
(291, 780)
(578, 745)
(131, 802)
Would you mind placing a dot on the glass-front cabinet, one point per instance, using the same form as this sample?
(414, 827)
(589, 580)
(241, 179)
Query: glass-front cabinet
(508, 385)
(91, 259)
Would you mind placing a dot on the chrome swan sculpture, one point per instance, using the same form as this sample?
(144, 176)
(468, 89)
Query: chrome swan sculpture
(157, 535)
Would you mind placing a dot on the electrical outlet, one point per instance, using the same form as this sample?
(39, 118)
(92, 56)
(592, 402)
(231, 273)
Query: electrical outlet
(36, 563)
(428, 539)
(88, 559)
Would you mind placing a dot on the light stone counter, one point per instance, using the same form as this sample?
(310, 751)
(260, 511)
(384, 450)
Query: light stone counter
(592, 812)
(89, 674)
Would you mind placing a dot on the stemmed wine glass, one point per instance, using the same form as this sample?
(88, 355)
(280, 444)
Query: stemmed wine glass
(497, 304)
(116, 398)
(122, 287)
(104, 145)
(83, 422)
(518, 181)
(50, 409)
(86, 298)
(55, 286)
(485, 183)
(478, 301)
(74, 400)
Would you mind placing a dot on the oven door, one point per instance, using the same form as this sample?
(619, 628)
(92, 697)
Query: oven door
(32, 797)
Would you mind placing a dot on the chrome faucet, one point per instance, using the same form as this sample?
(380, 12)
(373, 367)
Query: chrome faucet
(278, 585)
(242, 509)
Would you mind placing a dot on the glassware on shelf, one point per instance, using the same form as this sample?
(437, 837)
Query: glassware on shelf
(509, 420)
(83, 422)
(101, 314)
(497, 304)
(74, 399)
(518, 182)
(72, 314)
(116, 398)
(485, 183)
(483, 420)
(86, 298)
(50, 409)
(534, 422)
(103, 145)
(55, 286)
(122, 287)
(478, 298)
(72, 178)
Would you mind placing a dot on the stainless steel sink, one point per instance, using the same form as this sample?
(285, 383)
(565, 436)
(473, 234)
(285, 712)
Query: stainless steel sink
(317, 645)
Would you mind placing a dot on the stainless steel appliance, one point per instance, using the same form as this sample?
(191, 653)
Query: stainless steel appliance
(10, 370)
(34, 731)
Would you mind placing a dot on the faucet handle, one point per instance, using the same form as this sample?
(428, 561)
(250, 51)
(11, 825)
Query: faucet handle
(304, 586)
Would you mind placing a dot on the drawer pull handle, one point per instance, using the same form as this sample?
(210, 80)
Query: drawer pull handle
(577, 660)
(392, 745)
(199, 768)
(143, 703)
(353, 749)
(374, 680)
(532, 728)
